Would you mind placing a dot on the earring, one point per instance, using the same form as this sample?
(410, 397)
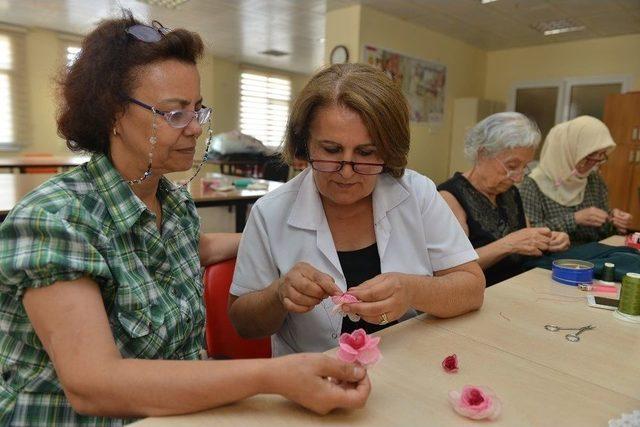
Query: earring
(115, 133)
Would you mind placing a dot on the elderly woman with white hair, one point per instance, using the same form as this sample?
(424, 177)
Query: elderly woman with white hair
(487, 203)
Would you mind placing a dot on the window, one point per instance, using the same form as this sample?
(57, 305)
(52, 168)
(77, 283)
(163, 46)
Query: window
(12, 91)
(556, 101)
(264, 106)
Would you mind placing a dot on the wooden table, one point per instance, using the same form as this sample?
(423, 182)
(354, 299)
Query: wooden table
(541, 378)
(14, 187)
(614, 241)
(204, 196)
(21, 163)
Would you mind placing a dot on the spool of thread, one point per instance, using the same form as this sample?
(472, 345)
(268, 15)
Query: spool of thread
(608, 273)
(629, 306)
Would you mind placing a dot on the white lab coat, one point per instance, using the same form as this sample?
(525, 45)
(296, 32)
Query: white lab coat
(416, 233)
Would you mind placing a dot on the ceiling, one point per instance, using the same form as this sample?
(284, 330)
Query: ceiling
(238, 30)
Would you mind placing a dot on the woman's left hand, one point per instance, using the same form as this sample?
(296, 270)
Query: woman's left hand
(621, 220)
(559, 241)
(385, 298)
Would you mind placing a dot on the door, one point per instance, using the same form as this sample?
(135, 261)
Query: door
(622, 171)
(634, 197)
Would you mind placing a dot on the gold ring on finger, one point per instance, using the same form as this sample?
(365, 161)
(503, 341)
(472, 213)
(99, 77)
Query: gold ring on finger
(384, 319)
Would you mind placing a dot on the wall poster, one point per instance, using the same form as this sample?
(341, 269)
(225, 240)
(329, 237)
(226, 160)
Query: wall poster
(421, 81)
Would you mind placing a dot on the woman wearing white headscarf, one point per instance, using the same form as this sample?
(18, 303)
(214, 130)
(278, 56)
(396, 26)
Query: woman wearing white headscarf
(565, 192)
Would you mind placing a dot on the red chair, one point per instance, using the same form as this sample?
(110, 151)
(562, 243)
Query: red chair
(223, 342)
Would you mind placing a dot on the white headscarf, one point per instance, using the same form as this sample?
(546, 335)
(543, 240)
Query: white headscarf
(564, 147)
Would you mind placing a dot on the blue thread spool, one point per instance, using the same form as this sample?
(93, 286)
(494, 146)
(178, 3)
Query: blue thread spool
(572, 272)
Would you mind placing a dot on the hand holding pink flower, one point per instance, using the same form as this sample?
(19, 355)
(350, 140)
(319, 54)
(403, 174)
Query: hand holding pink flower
(359, 347)
(345, 299)
(450, 364)
(475, 402)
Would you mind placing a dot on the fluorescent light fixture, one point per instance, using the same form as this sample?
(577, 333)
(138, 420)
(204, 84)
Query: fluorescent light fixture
(564, 30)
(274, 52)
(559, 26)
(169, 4)
(487, 1)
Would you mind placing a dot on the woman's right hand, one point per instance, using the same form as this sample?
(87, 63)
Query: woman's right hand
(591, 217)
(304, 287)
(531, 241)
(319, 382)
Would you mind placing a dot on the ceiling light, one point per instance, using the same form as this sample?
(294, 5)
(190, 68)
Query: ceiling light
(169, 4)
(549, 28)
(274, 52)
(487, 1)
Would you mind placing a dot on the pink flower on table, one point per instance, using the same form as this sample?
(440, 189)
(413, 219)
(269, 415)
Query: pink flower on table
(450, 364)
(359, 347)
(345, 299)
(475, 402)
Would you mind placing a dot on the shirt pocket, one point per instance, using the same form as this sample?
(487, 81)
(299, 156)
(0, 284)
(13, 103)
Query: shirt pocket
(144, 332)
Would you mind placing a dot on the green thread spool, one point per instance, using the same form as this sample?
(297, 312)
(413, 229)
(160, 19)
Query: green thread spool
(608, 272)
(630, 295)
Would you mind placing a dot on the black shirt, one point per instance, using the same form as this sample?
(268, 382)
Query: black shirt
(359, 266)
(488, 222)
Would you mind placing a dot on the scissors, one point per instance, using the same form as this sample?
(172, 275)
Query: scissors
(573, 337)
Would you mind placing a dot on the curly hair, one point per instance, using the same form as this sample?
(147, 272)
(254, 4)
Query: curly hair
(94, 89)
(365, 90)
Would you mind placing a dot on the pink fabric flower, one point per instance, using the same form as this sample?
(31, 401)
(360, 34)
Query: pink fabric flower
(345, 299)
(359, 347)
(450, 364)
(475, 402)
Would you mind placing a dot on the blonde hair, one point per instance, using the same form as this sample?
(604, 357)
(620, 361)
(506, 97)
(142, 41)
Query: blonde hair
(365, 90)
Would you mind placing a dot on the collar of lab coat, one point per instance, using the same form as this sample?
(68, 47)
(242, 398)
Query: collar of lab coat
(307, 212)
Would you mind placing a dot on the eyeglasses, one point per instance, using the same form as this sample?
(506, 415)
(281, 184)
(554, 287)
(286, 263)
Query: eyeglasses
(512, 174)
(336, 166)
(148, 33)
(178, 118)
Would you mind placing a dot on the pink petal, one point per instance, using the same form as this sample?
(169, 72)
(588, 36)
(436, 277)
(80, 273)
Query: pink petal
(356, 339)
(490, 407)
(474, 397)
(450, 364)
(346, 356)
(348, 299)
(369, 356)
(347, 348)
(370, 342)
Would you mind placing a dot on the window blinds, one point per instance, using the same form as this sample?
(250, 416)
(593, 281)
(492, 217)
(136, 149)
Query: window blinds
(264, 106)
(13, 94)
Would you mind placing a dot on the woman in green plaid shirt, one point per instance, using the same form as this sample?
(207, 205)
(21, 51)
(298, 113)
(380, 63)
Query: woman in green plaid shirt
(100, 267)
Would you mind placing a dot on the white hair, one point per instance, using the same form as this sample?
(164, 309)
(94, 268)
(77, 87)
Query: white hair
(501, 131)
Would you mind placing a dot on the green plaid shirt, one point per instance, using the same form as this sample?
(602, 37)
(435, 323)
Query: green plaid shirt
(544, 212)
(88, 222)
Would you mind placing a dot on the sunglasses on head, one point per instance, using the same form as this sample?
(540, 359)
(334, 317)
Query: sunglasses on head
(148, 33)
